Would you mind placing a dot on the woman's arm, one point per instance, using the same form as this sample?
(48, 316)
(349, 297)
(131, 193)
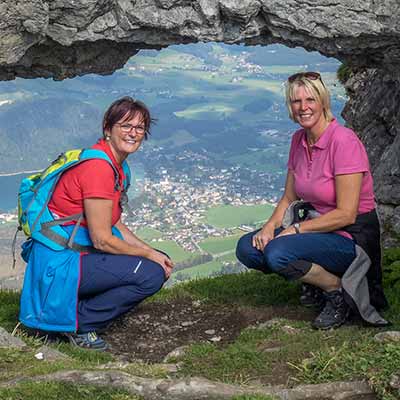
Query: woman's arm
(98, 214)
(348, 188)
(130, 237)
(261, 238)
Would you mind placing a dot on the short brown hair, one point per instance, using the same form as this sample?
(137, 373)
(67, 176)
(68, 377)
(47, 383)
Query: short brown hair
(126, 108)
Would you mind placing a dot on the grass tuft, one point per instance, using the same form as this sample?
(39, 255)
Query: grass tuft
(9, 309)
(287, 352)
(63, 391)
(247, 289)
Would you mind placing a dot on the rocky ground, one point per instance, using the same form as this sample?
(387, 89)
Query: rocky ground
(153, 330)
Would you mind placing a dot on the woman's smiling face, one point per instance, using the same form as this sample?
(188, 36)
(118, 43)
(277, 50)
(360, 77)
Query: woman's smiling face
(126, 136)
(307, 110)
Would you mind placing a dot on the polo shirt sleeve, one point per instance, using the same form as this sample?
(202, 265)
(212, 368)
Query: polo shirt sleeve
(349, 155)
(294, 145)
(97, 180)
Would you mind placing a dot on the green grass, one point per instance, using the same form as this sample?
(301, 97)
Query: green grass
(246, 289)
(148, 233)
(168, 59)
(180, 138)
(227, 216)
(255, 397)
(305, 356)
(63, 391)
(9, 309)
(271, 159)
(176, 252)
(200, 271)
(220, 245)
(231, 257)
(309, 356)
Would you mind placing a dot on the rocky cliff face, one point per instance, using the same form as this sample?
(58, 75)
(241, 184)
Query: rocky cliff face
(64, 38)
(373, 111)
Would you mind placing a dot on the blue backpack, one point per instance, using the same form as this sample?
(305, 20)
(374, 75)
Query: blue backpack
(35, 191)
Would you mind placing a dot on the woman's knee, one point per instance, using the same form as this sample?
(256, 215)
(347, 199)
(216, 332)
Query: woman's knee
(275, 255)
(244, 249)
(154, 279)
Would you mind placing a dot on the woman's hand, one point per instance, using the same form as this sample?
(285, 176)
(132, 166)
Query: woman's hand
(266, 234)
(262, 237)
(288, 231)
(165, 262)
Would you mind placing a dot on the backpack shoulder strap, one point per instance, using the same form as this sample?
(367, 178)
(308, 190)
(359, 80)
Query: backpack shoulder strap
(128, 176)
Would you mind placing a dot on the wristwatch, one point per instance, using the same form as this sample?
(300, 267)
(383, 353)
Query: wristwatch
(296, 227)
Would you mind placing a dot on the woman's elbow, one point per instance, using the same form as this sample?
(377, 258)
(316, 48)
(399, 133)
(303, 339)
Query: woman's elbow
(100, 242)
(349, 217)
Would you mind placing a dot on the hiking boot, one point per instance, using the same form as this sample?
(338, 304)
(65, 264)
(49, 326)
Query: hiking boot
(335, 312)
(89, 340)
(312, 297)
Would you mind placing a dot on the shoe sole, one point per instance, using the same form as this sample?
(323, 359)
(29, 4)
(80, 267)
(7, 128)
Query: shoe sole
(333, 326)
(326, 328)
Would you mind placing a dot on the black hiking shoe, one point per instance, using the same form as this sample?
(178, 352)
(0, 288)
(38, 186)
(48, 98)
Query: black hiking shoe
(335, 312)
(312, 297)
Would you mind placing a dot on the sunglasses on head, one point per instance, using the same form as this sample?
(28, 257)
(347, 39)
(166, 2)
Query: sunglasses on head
(313, 76)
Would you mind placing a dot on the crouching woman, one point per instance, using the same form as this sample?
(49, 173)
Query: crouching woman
(107, 270)
(336, 254)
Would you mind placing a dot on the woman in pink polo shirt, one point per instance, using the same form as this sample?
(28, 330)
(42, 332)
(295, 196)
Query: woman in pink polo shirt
(328, 167)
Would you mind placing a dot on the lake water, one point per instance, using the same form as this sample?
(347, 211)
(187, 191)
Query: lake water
(9, 188)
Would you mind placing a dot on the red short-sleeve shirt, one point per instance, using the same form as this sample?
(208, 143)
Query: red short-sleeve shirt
(90, 179)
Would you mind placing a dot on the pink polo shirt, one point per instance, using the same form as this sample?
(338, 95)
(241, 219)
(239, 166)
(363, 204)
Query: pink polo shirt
(338, 151)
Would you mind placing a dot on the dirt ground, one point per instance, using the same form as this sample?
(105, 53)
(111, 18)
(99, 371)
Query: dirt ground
(153, 330)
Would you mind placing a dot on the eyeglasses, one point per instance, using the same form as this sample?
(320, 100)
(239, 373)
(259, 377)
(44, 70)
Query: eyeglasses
(128, 128)
(313, 76)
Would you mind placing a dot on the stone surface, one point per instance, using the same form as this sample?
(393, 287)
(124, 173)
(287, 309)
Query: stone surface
(176, 353)
(7, 340)
(388, 336)
(197, 388)
(395, 381)
(99, 36)
(373, 112)
(269, 324)
(50, 354)
(65, 38)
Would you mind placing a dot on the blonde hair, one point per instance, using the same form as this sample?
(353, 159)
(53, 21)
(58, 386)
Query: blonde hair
(315, 87)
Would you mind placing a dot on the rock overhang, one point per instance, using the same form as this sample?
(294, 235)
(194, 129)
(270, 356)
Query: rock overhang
(98, 36)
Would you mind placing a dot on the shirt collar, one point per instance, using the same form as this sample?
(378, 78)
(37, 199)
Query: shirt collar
(324, 139)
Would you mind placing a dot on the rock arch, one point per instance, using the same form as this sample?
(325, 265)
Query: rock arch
(65, 38)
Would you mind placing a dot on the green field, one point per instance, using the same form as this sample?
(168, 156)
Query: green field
(198, 111)
(220, 245)
(200, 271)
(232, 216)
(263, 160)
(176, 252)
(148, 233)
(231, 257)
(180, 138)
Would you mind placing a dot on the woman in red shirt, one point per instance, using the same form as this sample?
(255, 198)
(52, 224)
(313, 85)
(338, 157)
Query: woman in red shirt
(123, 270)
